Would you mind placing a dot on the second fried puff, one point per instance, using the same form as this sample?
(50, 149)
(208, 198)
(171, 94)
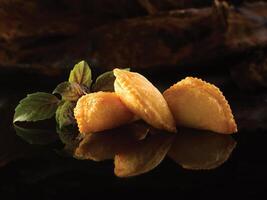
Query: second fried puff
(143, 99)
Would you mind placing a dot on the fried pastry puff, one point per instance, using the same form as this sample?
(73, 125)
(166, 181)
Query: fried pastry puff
(197, 104)
(100, 111)
(143, 99)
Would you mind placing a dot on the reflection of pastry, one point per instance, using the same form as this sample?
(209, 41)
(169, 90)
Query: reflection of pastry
(143, 99)
(142, 156)
(195, 149)
(100, 111)
(104, 145)
(197, 104)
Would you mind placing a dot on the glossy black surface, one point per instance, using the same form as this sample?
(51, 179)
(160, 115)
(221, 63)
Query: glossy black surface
(34, 171)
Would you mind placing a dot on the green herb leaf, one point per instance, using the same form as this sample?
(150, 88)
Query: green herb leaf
(105, 82)
(64, 114)
(69, 91)
(36, 106)
(36, 136)
(81, 74)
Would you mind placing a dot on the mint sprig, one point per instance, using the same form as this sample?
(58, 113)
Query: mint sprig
(41, 106)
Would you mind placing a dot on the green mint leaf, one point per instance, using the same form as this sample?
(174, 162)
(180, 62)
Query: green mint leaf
(69, 91)
(81, 74)
(64, 114)
(36, 136)
(36, 106)
(105, 82)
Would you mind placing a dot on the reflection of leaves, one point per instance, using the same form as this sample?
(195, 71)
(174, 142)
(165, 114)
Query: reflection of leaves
(69, 91)
(105, 82)
(81, 74)
(69, 136)
(64, 114)
(36, 136)
(104, 145)
(36, 106)
(195, 149)
(142, 156)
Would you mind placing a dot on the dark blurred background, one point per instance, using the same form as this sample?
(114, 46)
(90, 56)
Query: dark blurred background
(223, 42)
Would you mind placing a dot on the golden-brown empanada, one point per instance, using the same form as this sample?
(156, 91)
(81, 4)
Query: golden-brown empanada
(100, 111)
(143, 99)
(197, 104)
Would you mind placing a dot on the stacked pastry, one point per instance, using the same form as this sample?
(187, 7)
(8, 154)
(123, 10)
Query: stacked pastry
(191, 103)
